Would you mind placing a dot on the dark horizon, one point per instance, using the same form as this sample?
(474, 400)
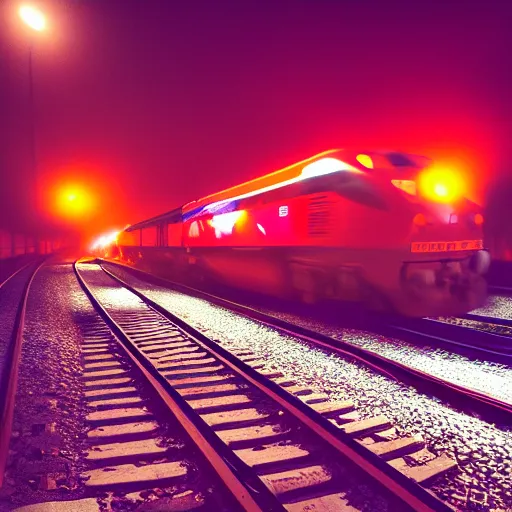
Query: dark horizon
(152, 104)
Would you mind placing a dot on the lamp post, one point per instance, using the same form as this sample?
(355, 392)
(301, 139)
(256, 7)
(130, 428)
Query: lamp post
(35, 20)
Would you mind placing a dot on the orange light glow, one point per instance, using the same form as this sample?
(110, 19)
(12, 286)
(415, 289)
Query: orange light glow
(32, 17)
(440, 185)
(71, 201)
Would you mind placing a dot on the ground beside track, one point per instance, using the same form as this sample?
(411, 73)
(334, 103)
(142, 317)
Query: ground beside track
(498, 306)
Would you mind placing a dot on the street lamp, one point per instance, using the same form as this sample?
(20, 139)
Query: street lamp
(35, 19)
(32, 17)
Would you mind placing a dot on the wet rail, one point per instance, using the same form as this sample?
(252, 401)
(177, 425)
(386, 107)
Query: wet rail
(11, 354)
(333, 427)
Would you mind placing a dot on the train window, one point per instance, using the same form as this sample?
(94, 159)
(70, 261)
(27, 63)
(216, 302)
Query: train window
(400, 160)
(193, 231)
(162, 235)
(174, 234)
(362, 192)
(394, 161)
(149, 237)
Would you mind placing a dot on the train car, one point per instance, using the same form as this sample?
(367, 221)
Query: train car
(383, 228)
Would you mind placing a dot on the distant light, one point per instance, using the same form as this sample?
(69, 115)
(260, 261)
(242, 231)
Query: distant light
(32, 17)
(73, 201)
(365, 160)
(261, 228)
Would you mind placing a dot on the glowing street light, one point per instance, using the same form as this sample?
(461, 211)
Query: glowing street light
(35, 19)
(72, 202)
(32, 17)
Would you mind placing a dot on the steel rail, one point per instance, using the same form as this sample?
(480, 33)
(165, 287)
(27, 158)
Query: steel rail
(15, 273)
(475, 340)
(10, 381)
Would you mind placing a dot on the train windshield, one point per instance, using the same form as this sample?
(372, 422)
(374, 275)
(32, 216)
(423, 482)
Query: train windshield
(391, 160)
(400, 160)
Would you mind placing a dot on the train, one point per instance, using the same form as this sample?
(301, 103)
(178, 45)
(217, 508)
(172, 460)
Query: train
(385, 229)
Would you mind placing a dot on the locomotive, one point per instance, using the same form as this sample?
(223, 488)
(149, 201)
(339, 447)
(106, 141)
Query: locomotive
(383, 228)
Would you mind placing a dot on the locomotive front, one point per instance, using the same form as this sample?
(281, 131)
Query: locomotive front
(432, 260)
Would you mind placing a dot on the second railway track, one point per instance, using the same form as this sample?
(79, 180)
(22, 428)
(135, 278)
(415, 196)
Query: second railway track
(302, 448)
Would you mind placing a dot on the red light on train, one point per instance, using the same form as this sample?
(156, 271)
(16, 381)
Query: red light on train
(478, 219)
(420, 220)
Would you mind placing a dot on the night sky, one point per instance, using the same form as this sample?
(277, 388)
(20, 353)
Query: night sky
(149, 104)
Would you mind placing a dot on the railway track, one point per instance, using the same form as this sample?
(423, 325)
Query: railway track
(11, 354)
(136, 446)
(11, 266)
(226, 392)
(475, 341)
(469, 400)
(506, 322)
(14, 273)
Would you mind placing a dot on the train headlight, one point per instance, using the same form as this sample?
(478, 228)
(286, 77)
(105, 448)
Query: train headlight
(440, 186)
